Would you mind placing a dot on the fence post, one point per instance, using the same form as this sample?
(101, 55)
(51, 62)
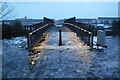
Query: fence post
(60, 38)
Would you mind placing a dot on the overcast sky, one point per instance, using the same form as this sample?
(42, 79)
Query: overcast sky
(61, 10)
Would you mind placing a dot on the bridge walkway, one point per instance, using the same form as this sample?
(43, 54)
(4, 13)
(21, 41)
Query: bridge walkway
(71, 60)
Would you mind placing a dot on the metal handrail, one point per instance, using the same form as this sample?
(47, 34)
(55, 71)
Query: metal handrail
(80, 28)
(91, 34)
(37, 29)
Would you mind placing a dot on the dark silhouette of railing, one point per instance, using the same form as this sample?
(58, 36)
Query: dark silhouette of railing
(35, 32)
(84, 31)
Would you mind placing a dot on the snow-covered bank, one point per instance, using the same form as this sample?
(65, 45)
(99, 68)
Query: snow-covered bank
(106, 63)
(14, 58)
(20, 42)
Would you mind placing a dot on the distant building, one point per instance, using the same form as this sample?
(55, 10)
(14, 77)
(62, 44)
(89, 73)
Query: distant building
(24, 21)
(94, 21)
(107, 20)
(86, 21)
(100, 20)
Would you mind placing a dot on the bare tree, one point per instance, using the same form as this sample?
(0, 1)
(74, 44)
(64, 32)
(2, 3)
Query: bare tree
(6, 10)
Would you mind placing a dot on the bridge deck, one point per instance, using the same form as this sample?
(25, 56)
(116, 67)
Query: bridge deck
(72, 59)
(69, 39)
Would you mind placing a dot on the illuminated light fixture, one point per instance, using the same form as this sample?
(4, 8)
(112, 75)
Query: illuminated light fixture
(38, 53)
(90, 33)
(30, 34)
(81, 28)
(85, 30)
(32, 62)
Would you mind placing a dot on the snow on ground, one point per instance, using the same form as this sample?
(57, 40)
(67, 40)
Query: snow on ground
(107, 60)
(14, 58)
(20, 42)
(71, 60)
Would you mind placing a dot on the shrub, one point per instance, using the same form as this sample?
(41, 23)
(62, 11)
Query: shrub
(15, 29)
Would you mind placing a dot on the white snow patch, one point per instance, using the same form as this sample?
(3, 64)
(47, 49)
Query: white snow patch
(17, 42)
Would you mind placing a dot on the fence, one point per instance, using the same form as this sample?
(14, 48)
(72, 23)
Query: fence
(35, 32)
(84, 31)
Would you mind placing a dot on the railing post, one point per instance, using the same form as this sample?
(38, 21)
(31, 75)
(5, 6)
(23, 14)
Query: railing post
(91, 41)
(28, 42)
(89, 35)
(30, 28)
(92, 37)
(29, 37)
(60, 38)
